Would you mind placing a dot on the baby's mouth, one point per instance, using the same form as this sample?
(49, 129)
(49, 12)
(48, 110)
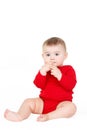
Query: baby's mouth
(53, 63)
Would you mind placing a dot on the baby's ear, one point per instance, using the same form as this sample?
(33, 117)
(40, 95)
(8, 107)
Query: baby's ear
(66, 55)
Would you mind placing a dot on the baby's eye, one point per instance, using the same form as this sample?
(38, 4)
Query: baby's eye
(48, 54)
(56, 54)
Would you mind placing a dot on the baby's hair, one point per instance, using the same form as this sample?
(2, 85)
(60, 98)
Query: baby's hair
(54, 41)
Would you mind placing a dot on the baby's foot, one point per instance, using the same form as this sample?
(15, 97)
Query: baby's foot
(12, 116)
(43, 118)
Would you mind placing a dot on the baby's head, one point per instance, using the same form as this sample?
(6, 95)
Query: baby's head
(54, 41)
(54, 51)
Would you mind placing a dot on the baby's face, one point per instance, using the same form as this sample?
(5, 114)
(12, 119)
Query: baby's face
(54, 55)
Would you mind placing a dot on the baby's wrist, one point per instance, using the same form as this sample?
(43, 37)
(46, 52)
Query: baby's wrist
(43, 72)
(59, 76)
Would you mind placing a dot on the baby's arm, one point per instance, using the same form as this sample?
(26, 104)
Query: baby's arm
(40, 78)
(68, 79)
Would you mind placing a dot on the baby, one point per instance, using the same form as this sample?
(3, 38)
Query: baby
(56, 82)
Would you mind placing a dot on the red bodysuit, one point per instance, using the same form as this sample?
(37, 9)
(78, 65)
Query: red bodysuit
(53, 91)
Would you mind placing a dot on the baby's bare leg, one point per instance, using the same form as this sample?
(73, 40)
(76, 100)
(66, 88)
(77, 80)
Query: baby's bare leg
(64, 110)
(32, 105)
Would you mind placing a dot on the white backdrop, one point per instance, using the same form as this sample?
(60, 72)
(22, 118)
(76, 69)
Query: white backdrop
(24, 25)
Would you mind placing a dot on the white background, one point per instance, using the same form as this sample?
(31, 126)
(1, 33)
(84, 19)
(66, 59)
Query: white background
(24, 25)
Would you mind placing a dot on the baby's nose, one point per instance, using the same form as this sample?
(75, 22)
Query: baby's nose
(52, 57)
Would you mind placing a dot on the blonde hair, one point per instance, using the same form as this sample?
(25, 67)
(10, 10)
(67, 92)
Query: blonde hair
(54, 41)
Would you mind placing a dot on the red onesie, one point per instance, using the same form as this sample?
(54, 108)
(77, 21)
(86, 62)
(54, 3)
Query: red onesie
(53, 91)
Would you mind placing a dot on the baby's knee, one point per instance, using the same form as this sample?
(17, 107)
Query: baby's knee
(30, 103)
(74, 108)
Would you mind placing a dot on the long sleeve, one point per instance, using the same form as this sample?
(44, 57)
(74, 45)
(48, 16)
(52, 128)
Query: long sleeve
(68, 80)
(53, 89)
(40, 80)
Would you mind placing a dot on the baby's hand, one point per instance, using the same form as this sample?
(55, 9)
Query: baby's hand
(45, 69)
(56, 72)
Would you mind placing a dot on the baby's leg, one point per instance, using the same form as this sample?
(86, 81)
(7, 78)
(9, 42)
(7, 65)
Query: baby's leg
(64, 110)
(32, 105)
